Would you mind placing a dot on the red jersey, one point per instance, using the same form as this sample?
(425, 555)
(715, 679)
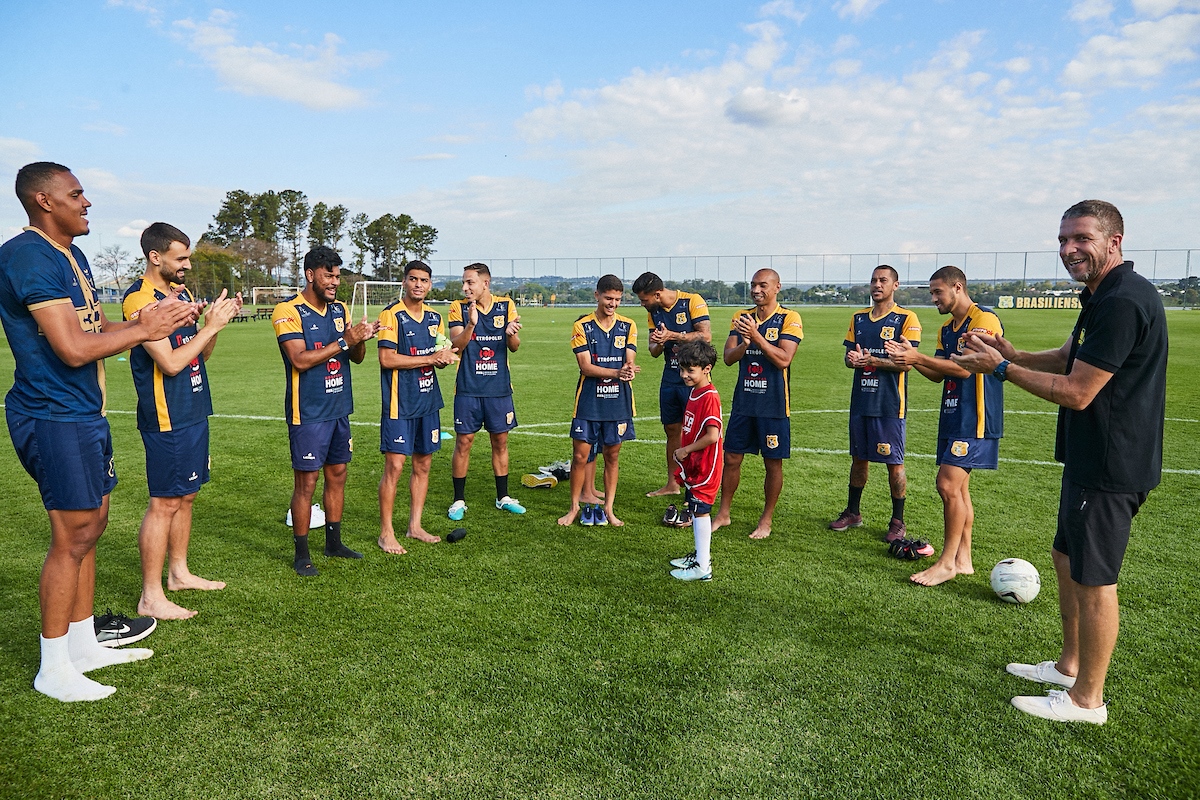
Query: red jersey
(700, 472)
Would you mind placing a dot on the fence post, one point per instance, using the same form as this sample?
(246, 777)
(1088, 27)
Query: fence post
(745, 282)
(1024, 270)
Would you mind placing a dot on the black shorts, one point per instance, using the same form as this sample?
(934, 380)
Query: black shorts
(1093, 531)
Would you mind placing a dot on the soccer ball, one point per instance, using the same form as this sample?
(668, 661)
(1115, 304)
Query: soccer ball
(1015, 580)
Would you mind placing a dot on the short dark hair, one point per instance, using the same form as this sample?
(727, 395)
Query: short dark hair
(419, 266)
(696, 353)
(159, 236)
(1110, 219)
(950, 274)
(321, 256)
(482, 269)
(609, 283)
(647, 283)
(889, 268)
(32, 178)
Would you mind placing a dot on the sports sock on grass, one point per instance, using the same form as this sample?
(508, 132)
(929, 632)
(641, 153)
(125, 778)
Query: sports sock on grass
(501, 486)
(58, 678)
(898, 508)
(302, 548)
(87, 654)
(333, 535)
(460, 489)
(853, 505)
(702, 535)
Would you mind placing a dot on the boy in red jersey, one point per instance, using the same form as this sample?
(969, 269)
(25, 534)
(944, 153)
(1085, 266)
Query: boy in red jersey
(700, 458)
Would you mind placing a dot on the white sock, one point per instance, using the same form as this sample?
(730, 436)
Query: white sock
(87, 654)
(58, 677)
(702, 532)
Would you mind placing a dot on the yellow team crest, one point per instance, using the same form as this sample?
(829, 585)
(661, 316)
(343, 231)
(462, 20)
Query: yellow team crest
(497, 322)
(621, 426)
(619, 342)
(960, 448)
(509, 417)
(435, 435)
(772, 441)
(772, 334)
(883, 448)
(887, 333)
(350, 444)
(433, 331)
(681, 318)
(339, 324)
(1081, 332)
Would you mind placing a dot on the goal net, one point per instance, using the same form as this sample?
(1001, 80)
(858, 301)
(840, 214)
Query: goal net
(270, 295)
(369, 297)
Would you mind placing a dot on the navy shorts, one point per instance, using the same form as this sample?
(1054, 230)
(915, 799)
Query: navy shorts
(698, 507)
(177, 461)
(496, 414)
(771, 437)
(421, 435)
(601, 434)
(315, 444)
(969, 453)
(672, 400)
(879, 439)
(1093, 531)
(72, 462)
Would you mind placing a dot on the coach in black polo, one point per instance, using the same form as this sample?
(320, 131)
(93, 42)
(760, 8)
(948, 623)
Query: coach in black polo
(1110, 381)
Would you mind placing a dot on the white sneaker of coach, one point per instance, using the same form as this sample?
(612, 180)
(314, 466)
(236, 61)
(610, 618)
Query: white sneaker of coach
(1044, 672)
(1058, 706)
(316, 518)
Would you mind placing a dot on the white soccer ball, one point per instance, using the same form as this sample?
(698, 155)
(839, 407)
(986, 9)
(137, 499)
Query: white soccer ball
(1015, 580)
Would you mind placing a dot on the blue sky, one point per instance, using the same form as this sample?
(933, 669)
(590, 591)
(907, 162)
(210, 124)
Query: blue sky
(648, 128)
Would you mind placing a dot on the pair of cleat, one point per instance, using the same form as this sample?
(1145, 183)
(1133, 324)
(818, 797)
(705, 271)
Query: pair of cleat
(911, 549)
(687, 568)
(458, 509)
(676, 518)
(591, 515)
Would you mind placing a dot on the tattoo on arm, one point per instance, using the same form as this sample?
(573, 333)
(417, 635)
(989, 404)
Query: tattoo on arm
(1053, 397)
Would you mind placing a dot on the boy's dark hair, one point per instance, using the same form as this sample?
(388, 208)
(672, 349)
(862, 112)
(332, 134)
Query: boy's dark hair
(647, 283)
(609, 283)
(159, 236)
(321, 256)
(889, 268)
(33, 178)
(420, 266)
(950, 275)
(696, 353)
(482, 269)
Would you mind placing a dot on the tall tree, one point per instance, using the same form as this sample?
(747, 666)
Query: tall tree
(419, 241)
(232, 221)
(114, 263)
(265, 221)
(358, 237)
(327, 225)
(293, 217)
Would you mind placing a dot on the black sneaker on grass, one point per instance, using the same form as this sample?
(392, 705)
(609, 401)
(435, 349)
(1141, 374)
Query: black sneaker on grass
(118, 630)
(304, 568)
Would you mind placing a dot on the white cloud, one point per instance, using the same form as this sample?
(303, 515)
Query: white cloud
(16, 153)
(152, 12)
(844, 43)
(858, 9)
(1087, 10)
(433, 157)
(1158, 8)
(106, 127)
(1017, 65)
(782, 8)
(134, 228)
(310, 77)
(845, 67)
(551, 91)
(1140, 53)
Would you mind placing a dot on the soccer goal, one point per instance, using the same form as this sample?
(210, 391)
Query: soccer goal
(369, 297)
(270, 295)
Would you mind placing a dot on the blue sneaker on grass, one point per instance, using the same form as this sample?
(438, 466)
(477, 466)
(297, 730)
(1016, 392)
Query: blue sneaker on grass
(510, 505)
(587, 517)
(457, 510)
(601, 516)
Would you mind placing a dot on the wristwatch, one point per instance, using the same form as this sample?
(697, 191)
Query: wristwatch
(341, 342)
(1001, 371)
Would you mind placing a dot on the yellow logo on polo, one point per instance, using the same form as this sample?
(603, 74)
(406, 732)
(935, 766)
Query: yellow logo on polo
(619, 342)
(433, 331)
(339, 324)
(960, 448)
(497, 322)
(772, 334)
(772, 441)
(1081, 330)
(621, 426)
(883, 448)
(887, 333)
(681, 318)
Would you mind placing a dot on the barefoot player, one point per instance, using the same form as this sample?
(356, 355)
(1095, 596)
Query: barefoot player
(972, 416)
(410, 424)
(174, 404)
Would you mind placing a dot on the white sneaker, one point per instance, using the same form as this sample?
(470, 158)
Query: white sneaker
(692, 573)
(1045, 672)
(1058, 706)
(316, 517)
(457, 510)
(683, 562)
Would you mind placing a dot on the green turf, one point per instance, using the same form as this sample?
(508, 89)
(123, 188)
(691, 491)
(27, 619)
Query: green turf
(534, 661)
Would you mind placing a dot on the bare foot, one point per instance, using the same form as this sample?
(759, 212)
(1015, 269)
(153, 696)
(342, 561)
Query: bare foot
(761, 532)
(422, 535)
(612, 518)
(190, 581)
(719, 522)
(938, 574)
(163, 609)
(593, 500)
(963, 566)
(569, 517)
(388, 544)
(670, 488)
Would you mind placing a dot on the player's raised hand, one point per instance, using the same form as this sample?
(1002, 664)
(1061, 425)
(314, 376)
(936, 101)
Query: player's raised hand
(362, 331)
(512, 327)
(628, 371)
(221, 310)
(857, 358)
(745, 327)
(473, 313)
(979, 356)
(901, 352)
(162, 318)
(445, 356)
(659, 334)
(1002, 345)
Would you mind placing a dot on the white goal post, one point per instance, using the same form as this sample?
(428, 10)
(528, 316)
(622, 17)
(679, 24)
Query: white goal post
(271, 294)
(373, 293)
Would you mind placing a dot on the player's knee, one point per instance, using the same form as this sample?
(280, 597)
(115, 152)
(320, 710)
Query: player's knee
(733, 459)
(463, 442)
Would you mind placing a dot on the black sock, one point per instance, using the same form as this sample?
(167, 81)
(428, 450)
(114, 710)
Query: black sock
(333, 535)
(854, 503)
(898, 508)
(460, 488)
(501, 486)
(301, 548)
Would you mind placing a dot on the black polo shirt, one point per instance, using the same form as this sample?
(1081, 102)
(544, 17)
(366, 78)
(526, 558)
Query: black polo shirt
(1115, 444)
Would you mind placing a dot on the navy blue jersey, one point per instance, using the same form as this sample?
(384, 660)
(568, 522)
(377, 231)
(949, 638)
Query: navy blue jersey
(762, 389)
(36, 272)
(972, 407)
(604, 399)
(880, 392)
(410, 393)
(483, 370)
(166, 402)
(322, 392)
(681, 317)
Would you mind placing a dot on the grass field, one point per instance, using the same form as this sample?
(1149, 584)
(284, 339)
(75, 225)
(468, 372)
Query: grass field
(535, 661)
